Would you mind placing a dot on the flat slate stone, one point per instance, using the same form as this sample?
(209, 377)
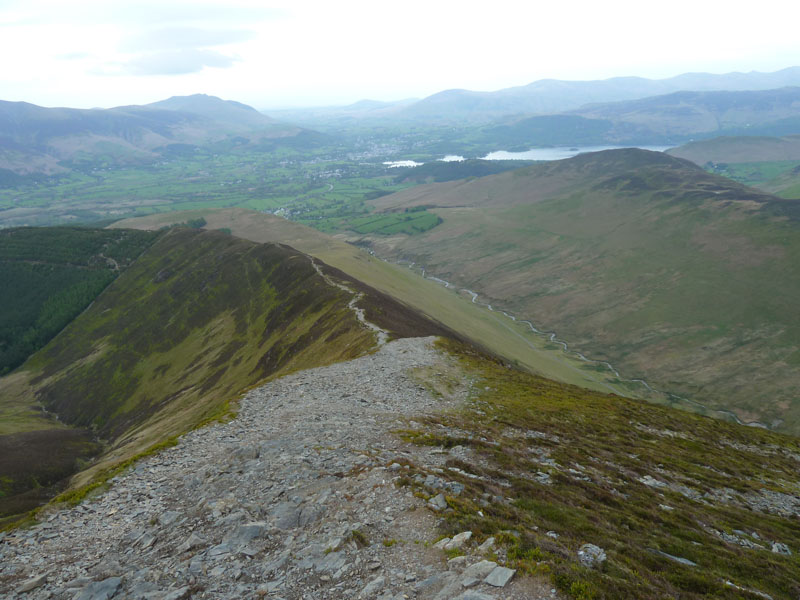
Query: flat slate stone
(32, 583)
(100, 590)
(500, 576)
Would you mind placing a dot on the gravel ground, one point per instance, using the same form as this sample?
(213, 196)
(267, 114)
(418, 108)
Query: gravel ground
(295, 498)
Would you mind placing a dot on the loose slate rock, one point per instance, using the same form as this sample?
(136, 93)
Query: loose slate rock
(438, 502)
(100, 590)
(480, 570)
(373, 587)
(779, 548)
(474, 595)
(458, 541)
(500, 576)
(32, 583)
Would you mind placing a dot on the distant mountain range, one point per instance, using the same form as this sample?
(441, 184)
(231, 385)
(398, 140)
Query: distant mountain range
(663, 120)
(36, 139)
(552, 95)
(545, 96)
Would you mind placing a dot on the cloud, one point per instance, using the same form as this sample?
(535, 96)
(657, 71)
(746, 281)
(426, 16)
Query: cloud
(172, 62)
(181, 38)
(142, 12)
(162, 12)
(73, 56)
(177, 50)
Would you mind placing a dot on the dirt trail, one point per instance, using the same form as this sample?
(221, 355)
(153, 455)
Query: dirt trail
(381, 334)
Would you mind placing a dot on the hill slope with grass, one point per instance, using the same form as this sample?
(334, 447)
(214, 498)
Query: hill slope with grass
(50, 275)
(196, 320)
(771, 164)
(742, 149)
(447, 305)
(674, 275)
(689, 113)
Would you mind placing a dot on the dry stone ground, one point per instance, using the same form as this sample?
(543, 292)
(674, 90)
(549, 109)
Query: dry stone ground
(296, 498)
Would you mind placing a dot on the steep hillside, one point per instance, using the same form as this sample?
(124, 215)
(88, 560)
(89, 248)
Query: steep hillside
(50, 275)
(683, 278)
(447, 305)
(197, 319)
(34, 139)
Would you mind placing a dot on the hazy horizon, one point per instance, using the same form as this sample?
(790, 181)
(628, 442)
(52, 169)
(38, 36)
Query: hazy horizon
(306, 53)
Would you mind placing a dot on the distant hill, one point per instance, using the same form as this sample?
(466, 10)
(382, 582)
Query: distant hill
(339, 117)
(34, 139)
(552, 96)
(658, 120)
(764, 112)
(740, 149)
(686, 279)
(459, 107)
(439, 170)
(215, 109)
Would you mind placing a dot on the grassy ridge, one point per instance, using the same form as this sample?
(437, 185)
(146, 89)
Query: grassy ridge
(194, 322)
(199, 318)
(672, 274)
(558, 466)
(494, 331)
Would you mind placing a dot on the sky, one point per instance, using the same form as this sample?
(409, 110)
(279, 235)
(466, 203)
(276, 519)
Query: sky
(279, 54)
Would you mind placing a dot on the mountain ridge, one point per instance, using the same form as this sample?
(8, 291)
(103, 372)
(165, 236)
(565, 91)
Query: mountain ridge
(36, 139)
(552, 96)
(197, 319)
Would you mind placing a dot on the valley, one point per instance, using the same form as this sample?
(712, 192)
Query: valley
(346, 352)
(610, 274)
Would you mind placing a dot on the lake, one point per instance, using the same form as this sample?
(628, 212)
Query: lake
(559, 153)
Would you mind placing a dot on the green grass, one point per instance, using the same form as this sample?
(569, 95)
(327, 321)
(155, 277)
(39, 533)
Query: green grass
(777, 177)
(314, 186)
(198, 319)
(598, 449)
(393, 223)
(673, 275)
(493, 331)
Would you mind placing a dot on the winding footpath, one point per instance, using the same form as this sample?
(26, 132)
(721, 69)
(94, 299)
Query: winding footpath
(297, 498)
(381, 334)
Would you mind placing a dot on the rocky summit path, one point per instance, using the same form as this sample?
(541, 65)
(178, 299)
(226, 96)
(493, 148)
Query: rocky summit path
(296, 498)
